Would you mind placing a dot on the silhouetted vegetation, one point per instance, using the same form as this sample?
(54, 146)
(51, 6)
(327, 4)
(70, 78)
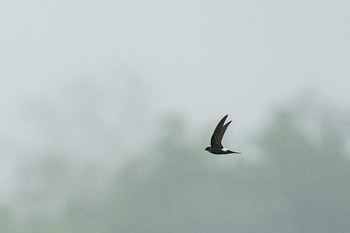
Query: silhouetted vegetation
(300, 184)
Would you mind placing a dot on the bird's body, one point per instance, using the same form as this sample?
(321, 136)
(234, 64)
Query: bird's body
(215, 142)
(219, 151)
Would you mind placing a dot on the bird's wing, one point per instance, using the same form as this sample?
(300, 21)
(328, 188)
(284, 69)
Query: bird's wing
(218, 133)
(223, 130)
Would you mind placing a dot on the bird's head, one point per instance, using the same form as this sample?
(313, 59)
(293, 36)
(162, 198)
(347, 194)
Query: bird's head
(208, 148)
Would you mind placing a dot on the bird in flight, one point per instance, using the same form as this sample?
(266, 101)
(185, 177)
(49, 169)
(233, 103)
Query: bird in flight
(215, 142)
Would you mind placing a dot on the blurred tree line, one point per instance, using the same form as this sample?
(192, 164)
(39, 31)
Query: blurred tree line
(300, 183)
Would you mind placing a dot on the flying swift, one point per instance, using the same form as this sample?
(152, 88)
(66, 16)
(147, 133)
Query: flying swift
(215, 142)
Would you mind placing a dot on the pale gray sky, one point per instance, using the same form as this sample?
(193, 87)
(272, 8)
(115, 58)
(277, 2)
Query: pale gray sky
(243, 54)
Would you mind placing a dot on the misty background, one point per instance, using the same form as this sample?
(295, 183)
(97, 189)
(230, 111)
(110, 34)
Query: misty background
(106, 108)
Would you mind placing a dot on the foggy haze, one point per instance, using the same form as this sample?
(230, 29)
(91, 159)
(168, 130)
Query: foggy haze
(241, 57)
(100, 82)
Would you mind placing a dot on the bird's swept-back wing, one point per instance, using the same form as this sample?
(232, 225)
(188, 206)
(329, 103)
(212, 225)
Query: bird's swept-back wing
(219, 133)
(223, 130)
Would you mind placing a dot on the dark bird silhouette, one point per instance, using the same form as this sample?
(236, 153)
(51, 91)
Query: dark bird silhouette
(215, 142)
